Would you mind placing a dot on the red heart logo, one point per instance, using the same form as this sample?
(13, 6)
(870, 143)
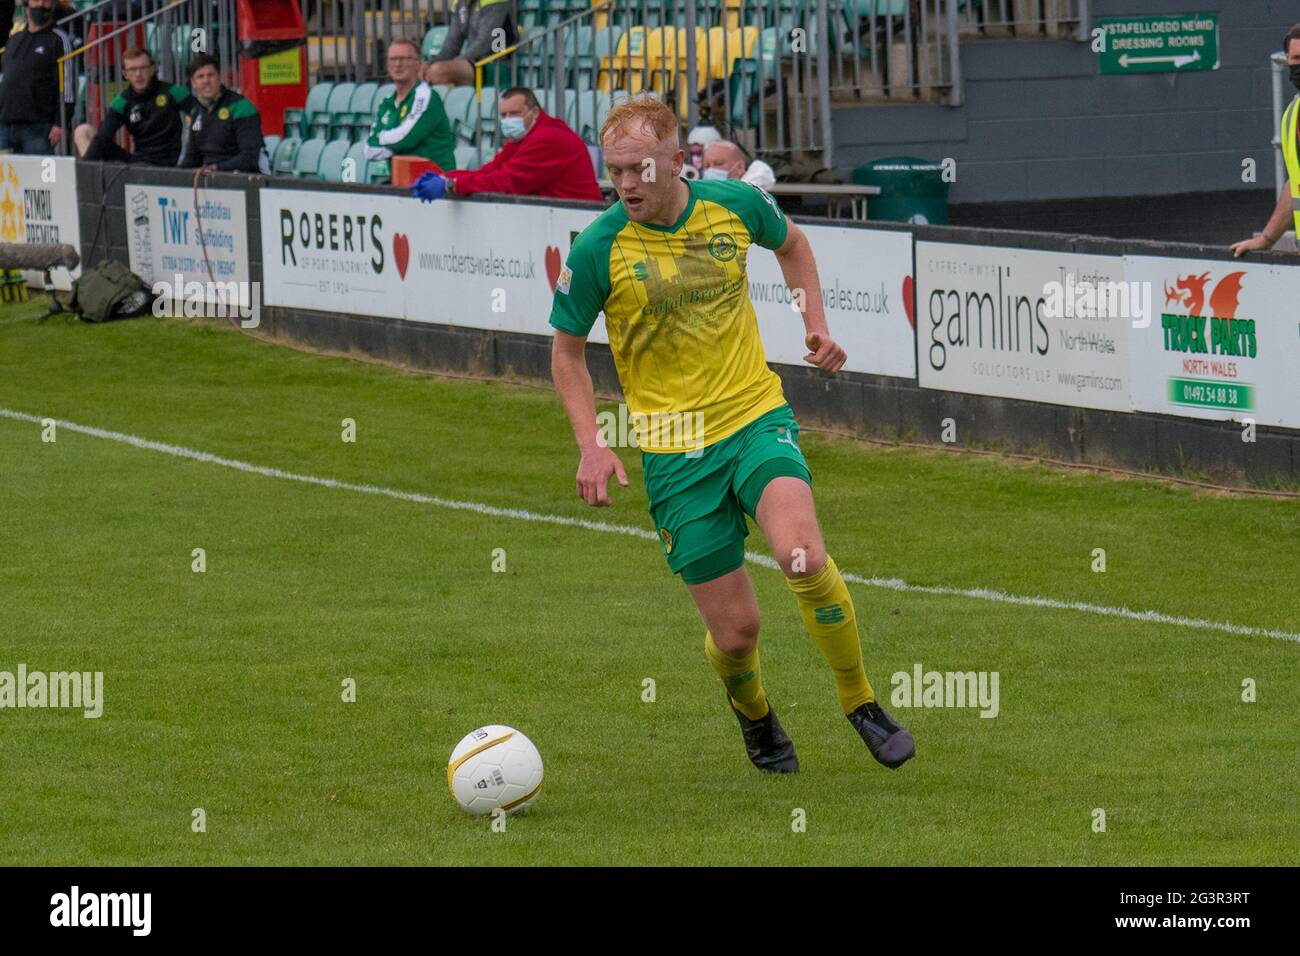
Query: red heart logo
(401, 252)
(553, 264)
(908, 304)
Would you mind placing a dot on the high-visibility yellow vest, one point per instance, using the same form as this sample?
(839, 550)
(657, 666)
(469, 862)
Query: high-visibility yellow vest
(1291, 153)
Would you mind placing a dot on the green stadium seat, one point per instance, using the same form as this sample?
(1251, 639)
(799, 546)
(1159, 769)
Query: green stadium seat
(456, 103)
(283, 158)
(433, 41)
(340, 97)
(532, 13)
(306, 164)
(361, 165)
(341, 125)
(363, 99)
(271, 142)
(318, 98)
(466, 157)
(485, 115)
(385, 91)
(330, 167)
(319, 127)
(590, 109)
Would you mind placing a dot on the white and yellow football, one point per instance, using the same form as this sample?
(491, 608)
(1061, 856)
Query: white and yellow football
(494, 767)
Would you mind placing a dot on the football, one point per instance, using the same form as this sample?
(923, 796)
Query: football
(494, 766)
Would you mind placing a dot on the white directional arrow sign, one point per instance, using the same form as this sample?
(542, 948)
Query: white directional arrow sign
(1178, 61)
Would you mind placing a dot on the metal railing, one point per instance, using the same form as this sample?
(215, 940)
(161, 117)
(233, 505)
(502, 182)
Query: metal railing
(1026, 18)
(763, 72)
(172, 30)
(347, 39)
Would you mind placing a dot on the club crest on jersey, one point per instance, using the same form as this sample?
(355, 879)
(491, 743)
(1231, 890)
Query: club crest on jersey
(668, 540)
(723, 247)
(161, 100)
(223, 114)
(562, 282)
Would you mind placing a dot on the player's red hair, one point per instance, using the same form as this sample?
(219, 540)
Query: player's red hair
(641, 112)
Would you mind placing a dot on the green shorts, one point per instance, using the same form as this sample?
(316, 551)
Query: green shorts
(699, 502)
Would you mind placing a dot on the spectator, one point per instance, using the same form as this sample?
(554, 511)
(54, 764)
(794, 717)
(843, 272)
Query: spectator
(724, 160)
(151, 111)
(412, 121)
(1287, 211)
(61, 12)
(478, 29)
(30, 116)
(226, 132)
(542, 158)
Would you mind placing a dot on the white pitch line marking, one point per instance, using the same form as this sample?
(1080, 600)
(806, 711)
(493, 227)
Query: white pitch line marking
(519, 514)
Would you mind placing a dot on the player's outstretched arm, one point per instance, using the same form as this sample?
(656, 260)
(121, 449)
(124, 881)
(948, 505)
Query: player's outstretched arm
(800, 270)
(573, 382)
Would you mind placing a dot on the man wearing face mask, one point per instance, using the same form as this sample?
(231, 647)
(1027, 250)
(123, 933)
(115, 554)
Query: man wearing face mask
(541, 157)
(1286, 213)
(724, 160)
(30, 119)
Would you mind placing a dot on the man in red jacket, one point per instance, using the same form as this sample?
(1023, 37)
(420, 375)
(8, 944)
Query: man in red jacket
(541, 157)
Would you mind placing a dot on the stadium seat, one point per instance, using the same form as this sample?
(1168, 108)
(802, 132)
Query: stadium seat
(361, 165)
(319, 126)
(363, 99)
(340, 98)
(283, 158)
(318, 98)
(466, 157)
(433, 41)
(532, 13)
(457, 105)
(271, 142)
(590, 108)
(306, 164)
(385, 91)
(330, 167)
(484, 115)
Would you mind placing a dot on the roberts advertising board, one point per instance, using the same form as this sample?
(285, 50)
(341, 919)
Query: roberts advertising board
(495, 266)
(1224, 343)
(1016, 323)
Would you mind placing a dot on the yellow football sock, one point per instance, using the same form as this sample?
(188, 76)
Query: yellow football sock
(740, 675)
(828, 616)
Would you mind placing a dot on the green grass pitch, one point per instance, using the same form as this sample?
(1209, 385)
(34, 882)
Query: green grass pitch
(223, 689)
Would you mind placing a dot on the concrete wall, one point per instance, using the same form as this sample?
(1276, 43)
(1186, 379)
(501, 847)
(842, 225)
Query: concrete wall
(1040, 122)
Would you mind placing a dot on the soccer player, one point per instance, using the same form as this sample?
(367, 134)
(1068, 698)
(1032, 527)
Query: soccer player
(666, 264)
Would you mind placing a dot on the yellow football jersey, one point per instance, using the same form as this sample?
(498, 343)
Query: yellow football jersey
(676, 302)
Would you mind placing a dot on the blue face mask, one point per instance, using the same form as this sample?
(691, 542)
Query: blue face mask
(714, 173)
(512, 127)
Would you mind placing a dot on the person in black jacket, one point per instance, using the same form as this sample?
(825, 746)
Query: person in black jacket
(226, 130)
(151, 111)
(30, 116)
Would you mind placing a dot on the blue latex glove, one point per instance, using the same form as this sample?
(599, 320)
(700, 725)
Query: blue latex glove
(429, 187)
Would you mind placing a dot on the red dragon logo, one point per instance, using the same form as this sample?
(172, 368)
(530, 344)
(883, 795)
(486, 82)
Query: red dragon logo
(1189, 292)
